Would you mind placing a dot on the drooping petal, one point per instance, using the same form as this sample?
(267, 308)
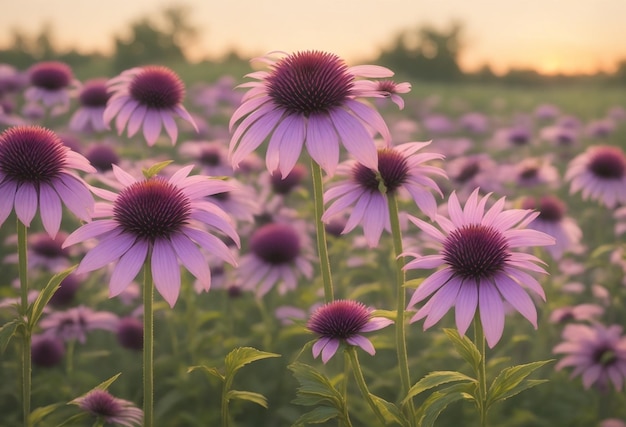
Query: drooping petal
(517, 297)
(7, 195)
(128, 267)
(466, 302)
(322, 142)
(50, 209)
(165, 271)
(355, 138)
(330, 349)
(89, 230)
(26, 203)
(107, 251)
(193, 260)
(364, 343)
(491, 312)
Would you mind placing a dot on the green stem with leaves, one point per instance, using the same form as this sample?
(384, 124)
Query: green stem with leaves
(360, 380)
(23, 309)
(148, 343)
(479, 337)
(403, 363)
(322, 245)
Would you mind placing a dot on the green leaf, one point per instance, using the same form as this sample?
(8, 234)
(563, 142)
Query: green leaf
(315, 387)
(413, 283)
(74, 419)
(318, 415)
(211, 371)
(105, 384)
(250, 396)
(6, 333)
(524, 385)
(390, 412)
(36, 309)
(39, 414)
(241, 356)
(465, 347)
(155, 169)
(439, 400)
(510, 378)
(434, 379)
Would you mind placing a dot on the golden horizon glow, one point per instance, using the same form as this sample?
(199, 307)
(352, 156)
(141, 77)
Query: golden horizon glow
(550, 37)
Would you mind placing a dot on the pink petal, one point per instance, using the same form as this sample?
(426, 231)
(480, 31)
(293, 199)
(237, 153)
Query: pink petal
(322, 142)
(7, 193)
(127, 268)
(376, 323)
(355, 137)
(430, 285)
(50, 209)
(466, 302)
(26, 203)
(170, 126)
(211, 244)
(136, 119)
(441, 302)
(123, 115)
(319, 345)
(107, 251)
(89, 230)
(330, 349)
(370, 116)
(193, 260)
(76, 196)
(364, 343)
(152, 126)
(165, 271)
(491, 312)
(517, 297)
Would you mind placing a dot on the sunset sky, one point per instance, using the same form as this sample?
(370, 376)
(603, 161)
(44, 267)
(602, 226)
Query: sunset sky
(549, 35)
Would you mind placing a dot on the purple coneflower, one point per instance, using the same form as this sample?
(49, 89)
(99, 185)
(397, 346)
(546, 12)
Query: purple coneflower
(308, 98)
(102, 404)
(50, 84)
(36, 169)
(599, 174)
(93, 97)
(480, 267)
(47, 351)
(161, 218)
(552, 221)
(74, 323)
(210, 156)
(474, 171)
(343, 321)
(102, 157)
(389, 89)
(130, 333)
(150, 95)
(532, 171)
(579, 313)
(278, 255)
(596, 352)
(399, 168)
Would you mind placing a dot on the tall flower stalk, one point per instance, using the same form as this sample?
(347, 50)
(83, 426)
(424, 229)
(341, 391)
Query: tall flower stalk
(26, 337)
(322, 244)
(148, 344)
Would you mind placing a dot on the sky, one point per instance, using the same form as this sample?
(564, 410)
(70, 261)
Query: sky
(569, 36)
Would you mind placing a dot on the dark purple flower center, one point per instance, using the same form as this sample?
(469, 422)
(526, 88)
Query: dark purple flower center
(50, 75)
(550, 208)
(94, 93)
(130, 333)
(393, 169)
(102, 157)
(519, 136)
(309, 82)
(476, 251)
(152, 209)
(340, 319)
(529, 172)
(469, 171)
(275, 243)
(604, 355)
(157, 87)
(607, 163)
(45, 246)
(284, 185)
(101, 403)
(211, 157)
(47, 351)
(65, 293)
(31, 154)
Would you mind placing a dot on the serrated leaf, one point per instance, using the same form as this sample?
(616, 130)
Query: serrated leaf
(465, 347)
(250, 396)
(6, 333)
(36, 309)
(317, 416)
(439, 400)
(314, 386)
(524, 385)
(211, 371)
(155, 169)
(40, 413)
(434, 379)
(241, 356)
(510, 378)
(391, 413)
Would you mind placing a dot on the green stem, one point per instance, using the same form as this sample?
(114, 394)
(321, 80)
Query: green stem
(346, 374)
(322, 248)
(403, 363)
(360, 380)
(479, 337)
(26, 338)
(148, 344)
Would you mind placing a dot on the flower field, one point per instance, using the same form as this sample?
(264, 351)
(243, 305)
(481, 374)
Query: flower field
(309, 242)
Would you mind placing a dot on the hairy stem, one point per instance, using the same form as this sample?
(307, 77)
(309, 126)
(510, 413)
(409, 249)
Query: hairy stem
(322, 247)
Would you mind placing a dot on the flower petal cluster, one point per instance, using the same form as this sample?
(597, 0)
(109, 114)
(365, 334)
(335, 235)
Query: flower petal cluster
(479, 267)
